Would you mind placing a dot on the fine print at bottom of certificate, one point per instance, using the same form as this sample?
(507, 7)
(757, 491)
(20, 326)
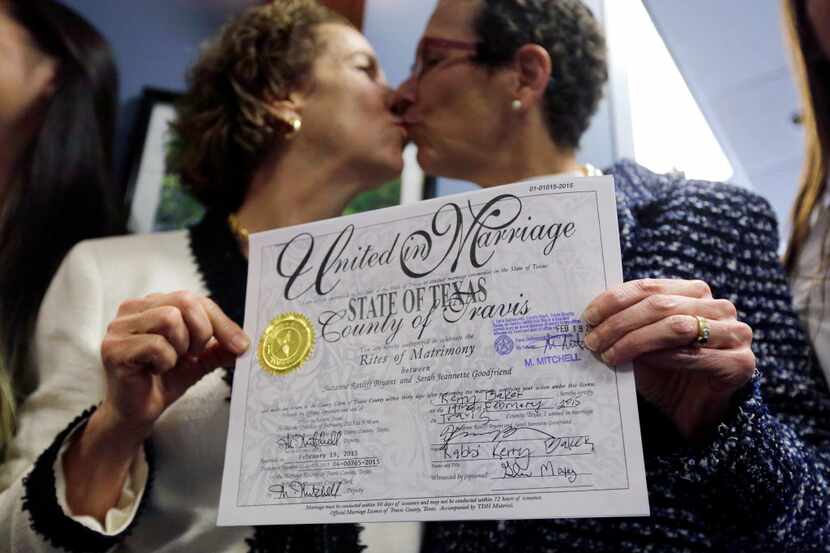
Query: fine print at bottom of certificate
(427, 362)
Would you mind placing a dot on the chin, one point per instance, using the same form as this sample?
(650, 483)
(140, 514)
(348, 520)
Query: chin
(426, 159)
(434, 165)
(392, 168)
(382, 173)
(451, 165)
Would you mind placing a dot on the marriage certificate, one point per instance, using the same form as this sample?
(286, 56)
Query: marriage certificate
(427, 362)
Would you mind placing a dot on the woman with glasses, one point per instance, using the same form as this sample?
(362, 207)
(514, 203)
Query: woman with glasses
(733, 415)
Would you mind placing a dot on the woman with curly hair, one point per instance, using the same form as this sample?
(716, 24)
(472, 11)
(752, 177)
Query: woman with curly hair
(808, 251)
(287, 117)
(734, 418)
(58, 105)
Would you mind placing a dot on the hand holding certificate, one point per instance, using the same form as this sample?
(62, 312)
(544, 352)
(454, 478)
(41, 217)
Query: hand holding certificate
(428, 362)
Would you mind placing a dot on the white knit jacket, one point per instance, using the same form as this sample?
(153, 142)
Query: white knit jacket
(189, 437)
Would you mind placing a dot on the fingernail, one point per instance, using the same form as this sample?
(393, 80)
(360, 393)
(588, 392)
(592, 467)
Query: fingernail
(605, 358)
(591, 316)
(591, 341)
(240, 343)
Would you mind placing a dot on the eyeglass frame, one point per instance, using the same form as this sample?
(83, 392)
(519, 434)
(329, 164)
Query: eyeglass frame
(481, 57)
(418, 70)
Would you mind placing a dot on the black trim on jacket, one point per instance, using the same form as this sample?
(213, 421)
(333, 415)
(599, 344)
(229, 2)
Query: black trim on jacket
(45, 514)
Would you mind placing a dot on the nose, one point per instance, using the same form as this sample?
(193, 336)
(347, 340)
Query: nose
(404, 97)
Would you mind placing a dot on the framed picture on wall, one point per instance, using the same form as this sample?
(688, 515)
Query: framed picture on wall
(160, 202)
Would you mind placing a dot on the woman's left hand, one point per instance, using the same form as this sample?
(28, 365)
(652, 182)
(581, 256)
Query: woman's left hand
(653, 322)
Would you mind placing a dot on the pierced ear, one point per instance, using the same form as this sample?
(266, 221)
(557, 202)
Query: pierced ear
(533, 67)
(288, 111)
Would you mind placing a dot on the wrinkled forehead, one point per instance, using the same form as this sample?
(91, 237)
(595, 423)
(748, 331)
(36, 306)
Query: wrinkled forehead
(453, 19)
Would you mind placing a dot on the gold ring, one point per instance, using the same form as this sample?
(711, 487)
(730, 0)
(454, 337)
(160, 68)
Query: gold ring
(702, 331)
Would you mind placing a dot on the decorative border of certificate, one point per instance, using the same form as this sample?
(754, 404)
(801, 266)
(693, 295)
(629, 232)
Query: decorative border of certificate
(380, 461)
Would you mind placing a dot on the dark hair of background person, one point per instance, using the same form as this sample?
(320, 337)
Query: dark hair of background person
(813, 73)
(226, 124)
(64, 191)
(570, 33)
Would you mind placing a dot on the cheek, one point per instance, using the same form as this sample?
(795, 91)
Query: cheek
(458, 116)
(455, 107)
(373, 107)
(23, 85)
(370, 116)
(438, 97)
(14, 95)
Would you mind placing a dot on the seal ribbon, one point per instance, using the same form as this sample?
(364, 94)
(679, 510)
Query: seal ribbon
(286, 343)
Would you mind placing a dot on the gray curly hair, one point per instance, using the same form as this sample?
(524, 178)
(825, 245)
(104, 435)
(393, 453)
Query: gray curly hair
(572, 37)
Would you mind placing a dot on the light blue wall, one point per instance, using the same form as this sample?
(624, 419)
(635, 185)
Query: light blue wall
(154, 42)
(393, 28)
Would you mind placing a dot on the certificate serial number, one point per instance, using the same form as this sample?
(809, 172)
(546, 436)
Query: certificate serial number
(329, 464)
(551, 187)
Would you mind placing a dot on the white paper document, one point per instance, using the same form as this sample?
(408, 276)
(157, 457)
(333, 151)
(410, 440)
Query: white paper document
(427, 362)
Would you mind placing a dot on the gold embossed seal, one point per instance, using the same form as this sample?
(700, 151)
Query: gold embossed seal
(286, 343)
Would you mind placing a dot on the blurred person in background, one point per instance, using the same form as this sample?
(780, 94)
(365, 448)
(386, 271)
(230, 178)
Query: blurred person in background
(58, 105)
(808, 250)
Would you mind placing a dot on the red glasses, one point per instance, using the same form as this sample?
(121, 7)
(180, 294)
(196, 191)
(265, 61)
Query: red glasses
(429, 55)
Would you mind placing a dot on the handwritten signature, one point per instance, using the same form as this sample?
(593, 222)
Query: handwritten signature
(452, 434)
(316, 440)
(477, 406)
(515, 449)
(566, 341)
(547, 469)
(297, 489)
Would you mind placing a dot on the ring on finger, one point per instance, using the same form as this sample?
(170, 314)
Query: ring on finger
(703, 331)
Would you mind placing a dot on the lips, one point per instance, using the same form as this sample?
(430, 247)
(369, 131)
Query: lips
(402, 127)
(409, 118)
(414, 131)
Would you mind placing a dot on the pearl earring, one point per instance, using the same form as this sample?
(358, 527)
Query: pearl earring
(296, 124)
(516, 105)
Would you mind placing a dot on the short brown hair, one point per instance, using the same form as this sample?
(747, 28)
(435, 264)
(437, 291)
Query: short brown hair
(225, 125)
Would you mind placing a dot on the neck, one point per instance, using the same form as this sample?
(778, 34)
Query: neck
(531, 153)
(295, 188)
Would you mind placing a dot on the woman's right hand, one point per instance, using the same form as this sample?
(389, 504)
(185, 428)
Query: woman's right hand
(156, 348)
(159, 346)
